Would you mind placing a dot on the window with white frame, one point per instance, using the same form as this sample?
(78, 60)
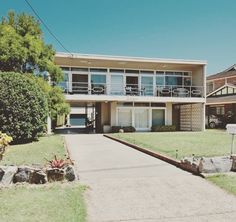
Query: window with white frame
(124, 117)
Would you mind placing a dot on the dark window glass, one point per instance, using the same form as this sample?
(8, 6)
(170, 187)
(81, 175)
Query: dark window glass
(98, 70)
(65, 68)
(158, 105)
(78, 69)
(131, 71)
(117, 70)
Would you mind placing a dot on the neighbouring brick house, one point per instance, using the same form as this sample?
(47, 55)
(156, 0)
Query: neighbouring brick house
(221, 98)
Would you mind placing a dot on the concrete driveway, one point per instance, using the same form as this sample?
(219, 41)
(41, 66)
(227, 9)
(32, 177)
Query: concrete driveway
(127, 185)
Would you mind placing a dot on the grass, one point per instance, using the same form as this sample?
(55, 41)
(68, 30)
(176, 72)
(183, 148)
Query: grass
(37, 203)
(54, 202)
(35, 152)
(209, 143)
(227, 182)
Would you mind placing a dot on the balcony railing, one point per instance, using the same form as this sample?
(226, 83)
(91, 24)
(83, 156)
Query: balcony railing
(131, 89)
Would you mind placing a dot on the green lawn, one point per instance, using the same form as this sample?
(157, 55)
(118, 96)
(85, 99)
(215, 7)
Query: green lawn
(54, 202)
(227, 182)
(208, 143)
(38, 203)
(35, 152)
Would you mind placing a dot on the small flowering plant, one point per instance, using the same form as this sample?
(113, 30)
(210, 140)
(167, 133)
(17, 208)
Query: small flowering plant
(4, 142)
(59, 163)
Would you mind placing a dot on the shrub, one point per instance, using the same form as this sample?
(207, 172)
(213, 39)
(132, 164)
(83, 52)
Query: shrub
(167, 128)
(23, 107)
(4, 142)
(127, 129)
(115, 129)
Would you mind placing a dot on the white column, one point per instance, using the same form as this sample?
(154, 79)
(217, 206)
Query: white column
(108, 83)
(150, 117)
(68, 120)
(133, 116)
(169, 113)
(113, 114)
(203, 116)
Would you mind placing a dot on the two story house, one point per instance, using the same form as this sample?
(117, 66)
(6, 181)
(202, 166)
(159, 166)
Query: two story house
(133, 91)
(221, 98)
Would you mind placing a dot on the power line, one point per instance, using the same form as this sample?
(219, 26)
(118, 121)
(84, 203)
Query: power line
(45, 25)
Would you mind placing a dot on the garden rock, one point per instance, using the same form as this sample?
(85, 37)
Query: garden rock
(70, 173)
(55, 174)
(215, 164)
(233, 163)
(38, 177)
(1, 173)
(9, 172)
(23, 174)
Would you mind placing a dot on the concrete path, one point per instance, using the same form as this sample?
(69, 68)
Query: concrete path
(127, 185)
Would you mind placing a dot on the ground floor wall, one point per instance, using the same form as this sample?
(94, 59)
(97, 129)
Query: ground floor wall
(141, 116)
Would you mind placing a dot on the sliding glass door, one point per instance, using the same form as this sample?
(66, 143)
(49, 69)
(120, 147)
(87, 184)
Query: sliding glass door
(147, 85)
(141, 118)
(117, 87)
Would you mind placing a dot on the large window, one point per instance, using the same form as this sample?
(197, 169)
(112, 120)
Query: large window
(98, 83)
(141, 118)
(173, 78)
(65, 83)
(147, 85)
(124, 117)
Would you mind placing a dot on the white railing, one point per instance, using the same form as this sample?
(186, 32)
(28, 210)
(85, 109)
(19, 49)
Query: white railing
(131, 89)
(180, 91)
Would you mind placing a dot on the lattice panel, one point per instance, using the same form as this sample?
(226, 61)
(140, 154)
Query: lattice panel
(191, 117)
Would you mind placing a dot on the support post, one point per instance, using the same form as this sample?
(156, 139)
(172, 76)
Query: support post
(232, 144)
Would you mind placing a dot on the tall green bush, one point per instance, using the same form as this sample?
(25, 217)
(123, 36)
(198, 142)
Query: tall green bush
(23, 107)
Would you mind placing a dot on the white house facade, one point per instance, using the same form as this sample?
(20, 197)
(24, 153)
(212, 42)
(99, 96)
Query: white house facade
(133, 91)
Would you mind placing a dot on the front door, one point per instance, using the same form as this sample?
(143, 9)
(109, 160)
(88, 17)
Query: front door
(158, 117)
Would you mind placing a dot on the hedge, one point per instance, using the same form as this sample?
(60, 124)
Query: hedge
(23, 107)
(167, 128)
(127, 129)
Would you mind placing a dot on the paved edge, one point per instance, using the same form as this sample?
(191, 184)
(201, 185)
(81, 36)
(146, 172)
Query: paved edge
(158, 156)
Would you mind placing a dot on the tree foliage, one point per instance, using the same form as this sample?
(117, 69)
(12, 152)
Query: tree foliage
(55, 98)
(23, 107)
(22, 48)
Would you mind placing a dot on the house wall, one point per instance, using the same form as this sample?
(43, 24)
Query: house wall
(198, 76)
(191, 117)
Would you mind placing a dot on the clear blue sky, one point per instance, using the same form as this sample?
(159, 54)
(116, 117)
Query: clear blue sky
(181, 29)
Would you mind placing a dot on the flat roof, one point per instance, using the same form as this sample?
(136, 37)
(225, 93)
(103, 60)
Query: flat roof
(129, 58)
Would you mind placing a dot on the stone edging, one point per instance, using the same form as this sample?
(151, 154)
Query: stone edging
(69, 155)
(66, 147)
(157, 155)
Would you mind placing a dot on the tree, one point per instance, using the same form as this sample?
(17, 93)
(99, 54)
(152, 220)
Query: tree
(55, 98)
(23, 107)
(22, 48)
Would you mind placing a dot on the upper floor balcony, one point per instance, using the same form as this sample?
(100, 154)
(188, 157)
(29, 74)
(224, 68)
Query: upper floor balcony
(129, 89)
